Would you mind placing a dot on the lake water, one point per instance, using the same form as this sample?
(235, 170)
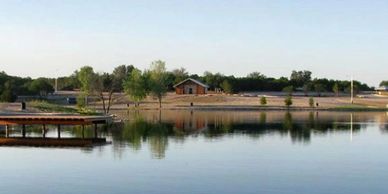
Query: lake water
(212, 152)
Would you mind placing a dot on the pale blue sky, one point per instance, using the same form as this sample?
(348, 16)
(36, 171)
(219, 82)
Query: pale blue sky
(333, 39)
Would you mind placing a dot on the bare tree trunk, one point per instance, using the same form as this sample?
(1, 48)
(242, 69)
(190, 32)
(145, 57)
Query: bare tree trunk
(109, 101)
(103, 101)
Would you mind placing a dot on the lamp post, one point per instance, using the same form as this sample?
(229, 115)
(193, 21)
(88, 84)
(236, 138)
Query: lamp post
(351, 89)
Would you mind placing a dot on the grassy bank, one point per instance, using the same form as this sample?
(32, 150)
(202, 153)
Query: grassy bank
(356, 107)
(45, 106)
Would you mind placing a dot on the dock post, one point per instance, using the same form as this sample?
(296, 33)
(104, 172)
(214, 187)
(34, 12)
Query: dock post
(59, 131)
(44, 131)
(83, 131)
(24, 130)
(6, 131)
(95, 131)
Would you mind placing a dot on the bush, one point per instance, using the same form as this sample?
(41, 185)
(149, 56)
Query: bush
(311, 102)
(288, 101)
(263, 100)
(81, 102)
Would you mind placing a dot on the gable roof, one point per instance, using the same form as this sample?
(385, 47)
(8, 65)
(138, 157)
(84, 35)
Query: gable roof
(193, 80)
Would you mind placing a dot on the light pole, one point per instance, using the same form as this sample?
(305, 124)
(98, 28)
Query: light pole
(351, 89)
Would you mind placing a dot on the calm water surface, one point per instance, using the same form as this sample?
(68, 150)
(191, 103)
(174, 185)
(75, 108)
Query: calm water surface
(211, 152)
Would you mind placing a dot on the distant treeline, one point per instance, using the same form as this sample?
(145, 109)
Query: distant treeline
(13, 86)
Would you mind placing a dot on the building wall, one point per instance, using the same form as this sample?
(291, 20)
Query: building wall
(185, 87)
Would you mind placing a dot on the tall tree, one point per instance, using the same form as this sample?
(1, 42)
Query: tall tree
(135, 86)
(158, 77)
(298, 78)
(227, 87)
(384, 83)
(119, 75)
(336, 89)
(319, 88)
(85, 76)
(41, 86)
(180, 74)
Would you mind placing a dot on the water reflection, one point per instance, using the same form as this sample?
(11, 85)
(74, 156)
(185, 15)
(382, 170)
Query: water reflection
(153, 130)
(156, 129)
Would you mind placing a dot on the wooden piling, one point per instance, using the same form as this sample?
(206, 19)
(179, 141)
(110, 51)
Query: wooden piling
(23, 131)
(59, 131)
(44, 131)
(7, 131)
(95, 131)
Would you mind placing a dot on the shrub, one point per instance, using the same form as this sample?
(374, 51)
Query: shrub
(311, 102)
(288, 101)
(81, 102)
(263, 100)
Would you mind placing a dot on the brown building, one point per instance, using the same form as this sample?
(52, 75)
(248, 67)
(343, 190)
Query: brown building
(191, 86)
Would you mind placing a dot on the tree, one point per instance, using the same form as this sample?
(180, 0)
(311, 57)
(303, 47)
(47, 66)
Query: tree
(136, 86)
(311, 102)
(263, 100)
(298, 78)
(103, 84)
(227, 87)
(7, 94)
(40, 86)
(158, 77)
(288, 101)
(256, 75)
(85, 77)
(119, 75)
(307, 87)
(288, 90)
(180, 74)
(384, 83)
(319, 88)
(336, 89)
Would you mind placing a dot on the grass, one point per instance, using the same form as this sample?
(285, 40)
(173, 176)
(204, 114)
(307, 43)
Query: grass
(45, 106)
(356, 107)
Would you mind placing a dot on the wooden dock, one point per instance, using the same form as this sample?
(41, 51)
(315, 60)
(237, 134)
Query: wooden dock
(57, 120)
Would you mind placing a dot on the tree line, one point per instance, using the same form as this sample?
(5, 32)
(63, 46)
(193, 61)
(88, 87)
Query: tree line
(156, 81)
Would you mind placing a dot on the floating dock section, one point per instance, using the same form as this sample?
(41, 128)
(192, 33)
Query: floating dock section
(24, 120)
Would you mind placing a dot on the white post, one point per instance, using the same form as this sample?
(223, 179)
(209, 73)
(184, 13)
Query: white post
(56, 85)
(351, 126)
(351, 90)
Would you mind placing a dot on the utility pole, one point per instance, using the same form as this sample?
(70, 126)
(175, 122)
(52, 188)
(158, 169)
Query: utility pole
(56, 85)
(351, 90)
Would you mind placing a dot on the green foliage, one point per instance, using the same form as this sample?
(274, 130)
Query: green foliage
(311, 102)
(119, 75)
(227, 87)
(288, 101)
(85, 77)
(307, 87)
(384, 83)
(319, 88)
(81, 101)
(263, 100)
(158, 80)
(136, 86)
(336, 89)
(288, 90)
(41, 86)
(49, 107)
(298, 78)
(7, 95)
(180, 75)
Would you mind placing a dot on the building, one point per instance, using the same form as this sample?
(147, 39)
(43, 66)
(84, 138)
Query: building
(383, 90)
(191, 86)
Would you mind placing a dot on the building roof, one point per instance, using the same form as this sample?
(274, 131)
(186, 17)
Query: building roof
(382, 88)
(193, 80)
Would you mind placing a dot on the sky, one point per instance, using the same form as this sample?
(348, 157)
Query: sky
(335, 39)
